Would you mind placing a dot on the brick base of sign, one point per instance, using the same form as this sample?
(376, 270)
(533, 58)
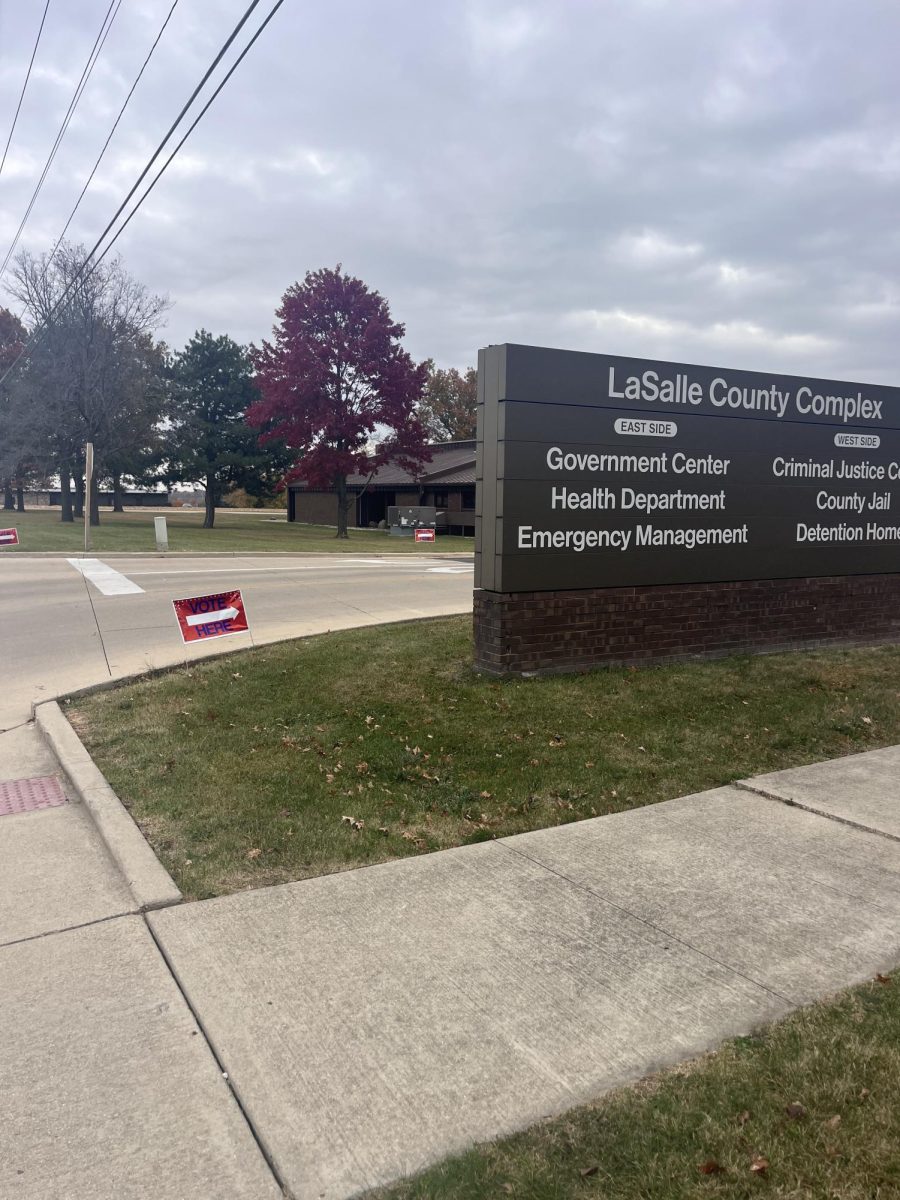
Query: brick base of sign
(547, 632)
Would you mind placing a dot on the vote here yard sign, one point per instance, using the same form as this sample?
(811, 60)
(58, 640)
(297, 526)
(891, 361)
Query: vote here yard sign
(203, 617)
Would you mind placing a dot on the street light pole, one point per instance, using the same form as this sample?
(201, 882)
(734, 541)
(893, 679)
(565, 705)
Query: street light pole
(88, 489)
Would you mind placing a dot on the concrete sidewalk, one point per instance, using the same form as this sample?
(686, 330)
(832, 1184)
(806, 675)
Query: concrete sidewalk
(372, 1022)
(376, 1021)
(108, 1090)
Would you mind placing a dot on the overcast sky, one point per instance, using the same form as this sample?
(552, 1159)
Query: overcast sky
(710, 181)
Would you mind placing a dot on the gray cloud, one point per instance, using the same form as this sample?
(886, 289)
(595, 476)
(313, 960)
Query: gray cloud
(705, 180)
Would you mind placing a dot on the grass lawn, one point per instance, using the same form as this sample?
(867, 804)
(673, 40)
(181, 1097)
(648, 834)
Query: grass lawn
(249, 532)
(810, 1110)
(355, 747)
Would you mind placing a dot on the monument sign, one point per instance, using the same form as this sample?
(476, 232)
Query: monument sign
(598, 473)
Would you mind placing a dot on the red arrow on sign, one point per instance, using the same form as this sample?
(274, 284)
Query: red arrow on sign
(9, 537)
(203, 617)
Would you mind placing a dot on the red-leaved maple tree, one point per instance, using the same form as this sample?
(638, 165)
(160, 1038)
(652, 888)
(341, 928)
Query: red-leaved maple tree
(337, 387)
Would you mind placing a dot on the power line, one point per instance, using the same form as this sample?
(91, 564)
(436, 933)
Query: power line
(80, 272)
(24, 86)
(193, 96)
(237, 62)
(114, 127)
(73, 103)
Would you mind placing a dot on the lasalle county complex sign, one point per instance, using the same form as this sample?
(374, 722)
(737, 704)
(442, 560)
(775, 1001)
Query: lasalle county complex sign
(597, 471)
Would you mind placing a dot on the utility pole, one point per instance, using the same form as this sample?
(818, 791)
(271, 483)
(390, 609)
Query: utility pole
(88, 491)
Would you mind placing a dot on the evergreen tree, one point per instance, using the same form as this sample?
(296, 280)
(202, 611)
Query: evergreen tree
(208, 440)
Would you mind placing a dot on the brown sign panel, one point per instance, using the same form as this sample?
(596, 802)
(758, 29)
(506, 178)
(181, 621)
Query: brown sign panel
(597, 471)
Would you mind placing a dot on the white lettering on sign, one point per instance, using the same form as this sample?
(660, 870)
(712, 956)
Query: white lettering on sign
(637, 464)
(578, 540)
(848, 408)
(684, 464)
(673, 501)
(749, 398)
(651, 387)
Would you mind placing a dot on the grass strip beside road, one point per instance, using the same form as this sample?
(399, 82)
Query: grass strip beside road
(809, 1109)
(352, 748)
(258, 531)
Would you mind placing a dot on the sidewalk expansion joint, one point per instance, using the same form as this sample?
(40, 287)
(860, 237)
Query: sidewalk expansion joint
(21, 725)
(747, 786)
(257, 1137)
(665, 933)
(36, 937)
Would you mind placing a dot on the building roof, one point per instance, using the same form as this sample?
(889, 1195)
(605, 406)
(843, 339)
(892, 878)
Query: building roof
(463, 474)
(451, 463)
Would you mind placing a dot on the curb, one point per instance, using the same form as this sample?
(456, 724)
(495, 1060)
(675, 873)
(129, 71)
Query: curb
(149, 881)
(180, 664)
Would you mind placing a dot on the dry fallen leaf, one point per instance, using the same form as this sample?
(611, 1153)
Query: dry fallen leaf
(867, 720)
(744, 1117)
(352, 822)
(833, 1122)
(879, 978)
(255, 853)
(796, 1111)
(710, 1167)
(586, 1172)
(759, 1166)
(864, 1094)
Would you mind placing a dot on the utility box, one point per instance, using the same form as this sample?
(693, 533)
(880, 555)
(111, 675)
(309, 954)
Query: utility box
(404, 521)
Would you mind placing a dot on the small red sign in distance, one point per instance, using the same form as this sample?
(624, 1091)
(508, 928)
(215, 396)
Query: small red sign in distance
(9, 537)
(424, 535)
(203, 617)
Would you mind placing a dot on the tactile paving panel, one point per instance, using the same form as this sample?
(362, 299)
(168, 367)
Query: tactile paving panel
(28, 795)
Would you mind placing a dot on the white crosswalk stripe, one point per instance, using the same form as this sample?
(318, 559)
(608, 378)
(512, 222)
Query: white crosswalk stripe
(105, 579)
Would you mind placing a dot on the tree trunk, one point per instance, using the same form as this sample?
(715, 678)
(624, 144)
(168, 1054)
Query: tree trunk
(209, 519)
(95, 501)
(118, 506)
(9, 502)
(342, 507)
(65, 493)
(20, 498)
(79, 497)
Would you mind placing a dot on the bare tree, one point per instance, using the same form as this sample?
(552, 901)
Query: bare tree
(13, 466)
(92, 370)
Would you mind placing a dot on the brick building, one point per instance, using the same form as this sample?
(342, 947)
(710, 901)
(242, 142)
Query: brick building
(447, 483)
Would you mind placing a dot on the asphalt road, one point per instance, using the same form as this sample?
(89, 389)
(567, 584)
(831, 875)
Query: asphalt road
(60, 631)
